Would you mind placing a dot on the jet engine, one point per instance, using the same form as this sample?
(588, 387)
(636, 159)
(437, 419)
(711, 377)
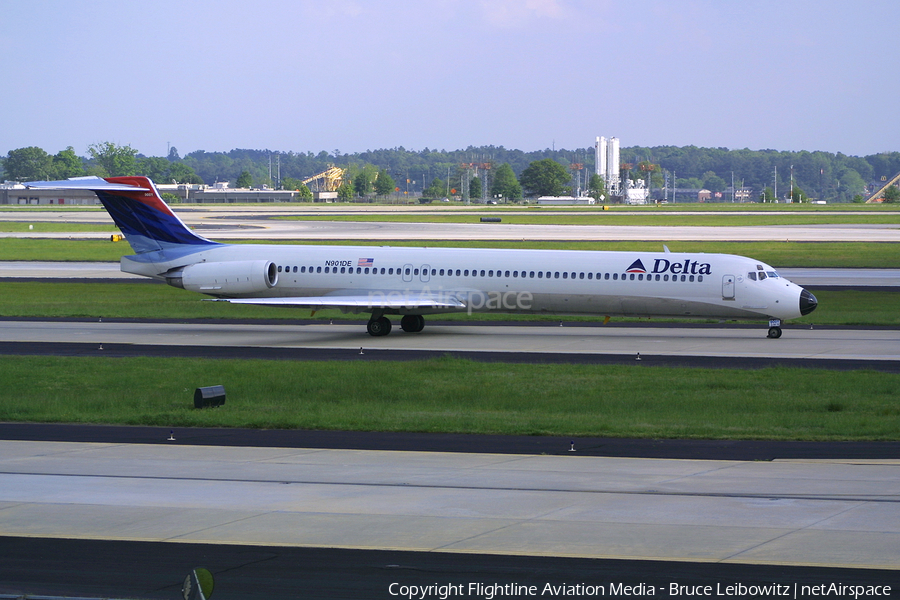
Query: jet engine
(225, 278)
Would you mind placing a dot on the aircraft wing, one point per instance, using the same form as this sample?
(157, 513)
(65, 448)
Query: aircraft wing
(394, 300)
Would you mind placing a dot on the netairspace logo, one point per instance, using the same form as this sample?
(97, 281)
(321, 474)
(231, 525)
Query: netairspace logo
(471, 301)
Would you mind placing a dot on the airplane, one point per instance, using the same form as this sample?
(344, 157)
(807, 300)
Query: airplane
(414, 282)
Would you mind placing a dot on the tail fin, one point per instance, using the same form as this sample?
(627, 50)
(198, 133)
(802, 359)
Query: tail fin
(139, 211)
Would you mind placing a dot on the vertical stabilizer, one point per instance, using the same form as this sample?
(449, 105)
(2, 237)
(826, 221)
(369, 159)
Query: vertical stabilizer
(139, 211)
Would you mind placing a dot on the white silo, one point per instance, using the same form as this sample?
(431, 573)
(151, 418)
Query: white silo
(606, 161)
(612, 166)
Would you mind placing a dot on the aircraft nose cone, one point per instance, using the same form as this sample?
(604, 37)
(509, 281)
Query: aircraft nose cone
(808, 303)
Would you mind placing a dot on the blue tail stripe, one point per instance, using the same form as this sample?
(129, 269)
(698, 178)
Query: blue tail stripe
(139, 220)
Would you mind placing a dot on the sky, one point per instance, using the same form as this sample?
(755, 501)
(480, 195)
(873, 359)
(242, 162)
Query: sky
(357, 75)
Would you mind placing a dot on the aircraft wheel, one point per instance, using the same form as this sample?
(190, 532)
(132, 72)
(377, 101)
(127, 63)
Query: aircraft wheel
(412, 323)
(774, 333)
(379, 327)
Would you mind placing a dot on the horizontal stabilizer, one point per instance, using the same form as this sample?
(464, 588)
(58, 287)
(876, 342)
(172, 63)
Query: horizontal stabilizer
(85, 183)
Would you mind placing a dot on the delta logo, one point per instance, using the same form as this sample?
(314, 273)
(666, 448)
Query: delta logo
(636, 267)
(664, 265)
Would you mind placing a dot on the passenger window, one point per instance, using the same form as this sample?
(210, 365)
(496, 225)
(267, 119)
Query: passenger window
(640, 276)
(342, 269)
(303, 269)
(565, 275)
(699, 277)
(632, 277)
(507, 274)
(657, 276)
(615, 276)
(279, 269)
(531, 274)
(491, 273)
(691, 278)
(457, 272)
(556, 275)
(319, 269)
(605, 276)
(540, 274)
(683, 277)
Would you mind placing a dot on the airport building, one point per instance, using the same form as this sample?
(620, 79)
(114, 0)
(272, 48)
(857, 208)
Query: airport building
(16, 193)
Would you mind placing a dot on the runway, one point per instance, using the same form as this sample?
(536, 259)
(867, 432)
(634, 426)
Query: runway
(821, 345)
(790, 514)
(328, 230)
(257, 223)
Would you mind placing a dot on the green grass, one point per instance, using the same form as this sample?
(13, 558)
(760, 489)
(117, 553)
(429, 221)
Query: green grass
(47, 227)
(452, 395)
(779, 254)
(158, 301)
(56, 250)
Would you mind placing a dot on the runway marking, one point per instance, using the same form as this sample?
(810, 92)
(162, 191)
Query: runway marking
(881, 498)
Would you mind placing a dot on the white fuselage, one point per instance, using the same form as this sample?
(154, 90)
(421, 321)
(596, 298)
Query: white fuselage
(526, 281)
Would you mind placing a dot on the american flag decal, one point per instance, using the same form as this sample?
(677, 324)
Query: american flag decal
(365, 262)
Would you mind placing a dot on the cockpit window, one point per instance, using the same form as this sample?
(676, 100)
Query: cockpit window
(762, 275)
(751, 275)
(772, 273)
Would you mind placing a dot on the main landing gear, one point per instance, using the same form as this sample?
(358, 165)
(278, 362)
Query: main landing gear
(380, 325)
(412, 323)
(774, 329)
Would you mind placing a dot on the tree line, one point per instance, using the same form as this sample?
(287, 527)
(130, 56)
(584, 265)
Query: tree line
(485, 172)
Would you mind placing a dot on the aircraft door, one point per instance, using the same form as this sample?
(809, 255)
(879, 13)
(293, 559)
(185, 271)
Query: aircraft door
(407, 273)
(728, 287)
(425, 276)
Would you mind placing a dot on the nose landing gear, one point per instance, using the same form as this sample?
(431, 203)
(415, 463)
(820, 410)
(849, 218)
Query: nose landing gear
(774, 329)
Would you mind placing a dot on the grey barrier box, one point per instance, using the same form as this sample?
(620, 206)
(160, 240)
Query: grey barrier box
(213, 395)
